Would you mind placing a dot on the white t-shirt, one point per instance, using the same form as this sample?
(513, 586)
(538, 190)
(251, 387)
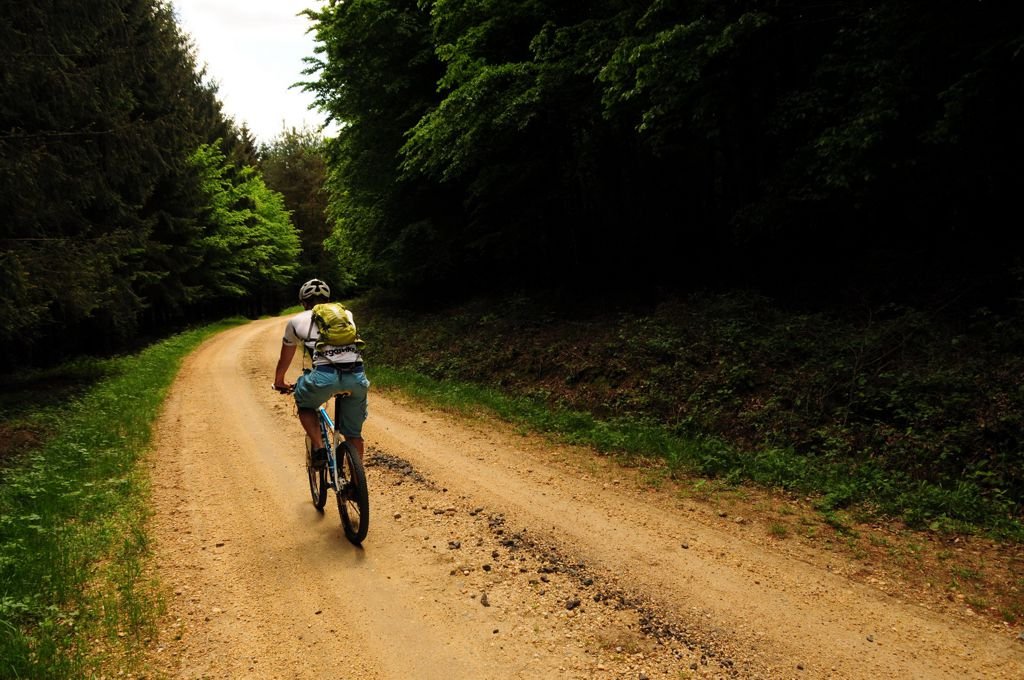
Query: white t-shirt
(301, 330)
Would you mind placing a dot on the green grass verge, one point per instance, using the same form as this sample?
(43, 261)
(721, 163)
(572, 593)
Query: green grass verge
(73, 512)
(837, 483)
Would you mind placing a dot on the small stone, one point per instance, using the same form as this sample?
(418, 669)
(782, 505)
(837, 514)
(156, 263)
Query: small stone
(871, 638)
(723, 513)
(485, 602)
(454, 545)
(398, 515)
(685, 546)
(572, 604)
(487, 567)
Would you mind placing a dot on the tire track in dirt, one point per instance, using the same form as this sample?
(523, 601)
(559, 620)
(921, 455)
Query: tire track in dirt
(490, 555)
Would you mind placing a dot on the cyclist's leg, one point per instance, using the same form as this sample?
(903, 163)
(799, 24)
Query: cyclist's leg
(352, 410)
(357, 444)
(310, 423)
(311, 390)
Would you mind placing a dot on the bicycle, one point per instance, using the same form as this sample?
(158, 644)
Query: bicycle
(343, 473)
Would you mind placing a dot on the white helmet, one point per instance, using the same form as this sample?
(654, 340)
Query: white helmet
(314, 288)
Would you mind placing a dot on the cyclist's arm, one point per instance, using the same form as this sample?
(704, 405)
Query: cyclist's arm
(285, 360)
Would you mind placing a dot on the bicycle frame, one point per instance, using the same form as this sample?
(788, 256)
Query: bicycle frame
(344, 474)
(327, 432)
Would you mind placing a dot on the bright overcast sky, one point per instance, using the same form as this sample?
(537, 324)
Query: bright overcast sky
(253, 50)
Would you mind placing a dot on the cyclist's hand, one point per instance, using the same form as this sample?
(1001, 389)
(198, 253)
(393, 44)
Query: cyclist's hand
(283, 388)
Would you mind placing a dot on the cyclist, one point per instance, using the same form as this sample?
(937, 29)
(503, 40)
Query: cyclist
(335, 369)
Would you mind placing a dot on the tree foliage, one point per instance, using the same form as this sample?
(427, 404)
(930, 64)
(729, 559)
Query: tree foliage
(107, 231)
(376, 76)
(754, 142)
(249, 244)
(295, 165)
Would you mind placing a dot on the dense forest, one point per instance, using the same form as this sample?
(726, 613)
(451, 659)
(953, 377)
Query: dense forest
(830, 151)
(132, 204)
(816, 152)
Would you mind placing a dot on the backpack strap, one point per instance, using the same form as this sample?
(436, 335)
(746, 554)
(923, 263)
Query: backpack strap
(309, 338)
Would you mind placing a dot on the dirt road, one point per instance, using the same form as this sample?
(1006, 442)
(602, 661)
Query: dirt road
(491, 554)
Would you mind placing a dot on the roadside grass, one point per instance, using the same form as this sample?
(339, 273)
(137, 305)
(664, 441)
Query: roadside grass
(840, 486)
(73, 508)
(28, 400)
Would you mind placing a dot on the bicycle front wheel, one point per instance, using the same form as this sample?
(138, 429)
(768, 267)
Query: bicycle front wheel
(353, 498)
(317, 478)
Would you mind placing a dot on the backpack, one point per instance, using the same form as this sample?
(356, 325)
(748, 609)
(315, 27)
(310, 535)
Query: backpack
(334, 325)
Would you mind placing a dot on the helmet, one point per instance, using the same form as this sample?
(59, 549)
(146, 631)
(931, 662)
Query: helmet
(314, 288)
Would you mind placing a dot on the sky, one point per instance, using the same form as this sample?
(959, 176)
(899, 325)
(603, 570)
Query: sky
(253, 51)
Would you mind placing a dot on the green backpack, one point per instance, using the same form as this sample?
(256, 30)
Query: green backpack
(334, 325)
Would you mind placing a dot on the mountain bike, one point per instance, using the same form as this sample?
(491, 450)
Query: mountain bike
(344, 474)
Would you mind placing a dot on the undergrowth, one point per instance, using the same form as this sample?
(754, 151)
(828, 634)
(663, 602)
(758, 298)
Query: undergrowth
(899, 412)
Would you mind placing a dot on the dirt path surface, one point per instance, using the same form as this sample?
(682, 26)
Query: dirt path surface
(491, 555)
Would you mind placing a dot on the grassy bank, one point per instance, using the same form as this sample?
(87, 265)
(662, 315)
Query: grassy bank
(890, 412)
(73, 510)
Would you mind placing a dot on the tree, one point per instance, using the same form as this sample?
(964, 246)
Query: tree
(249, 245)
(103, 237)
(294, 165)
(375, 76)
(240, 146)
(824, 132)
(88, 136)
(520, 133)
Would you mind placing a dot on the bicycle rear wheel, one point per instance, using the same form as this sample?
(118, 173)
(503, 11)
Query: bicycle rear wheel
(353, 498)
(317, 478)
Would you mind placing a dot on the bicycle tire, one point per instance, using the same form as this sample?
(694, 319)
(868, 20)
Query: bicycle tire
(317, 478)
(354, 498)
